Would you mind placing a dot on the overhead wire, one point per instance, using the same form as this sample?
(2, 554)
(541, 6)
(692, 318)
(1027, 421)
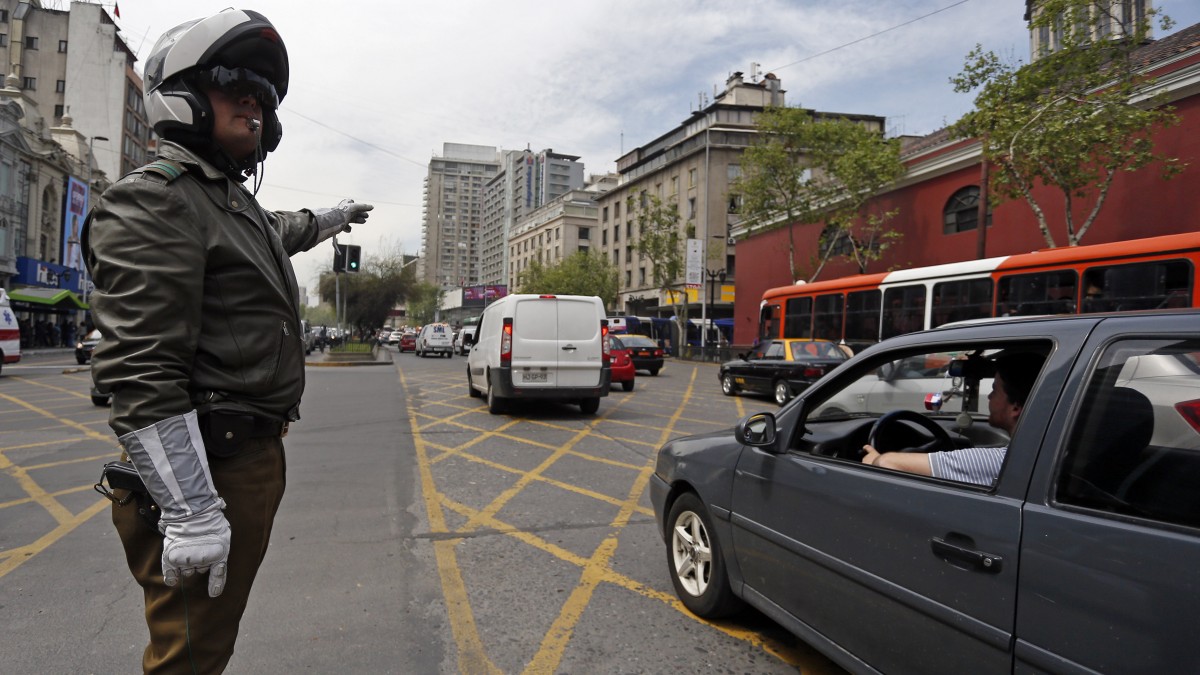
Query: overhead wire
(872, 35)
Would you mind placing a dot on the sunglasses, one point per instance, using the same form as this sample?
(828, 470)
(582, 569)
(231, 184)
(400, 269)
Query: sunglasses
(239, 82)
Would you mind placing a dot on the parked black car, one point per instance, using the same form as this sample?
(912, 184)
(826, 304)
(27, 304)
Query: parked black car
(780, 368)
(646, 353)
(1079, 555)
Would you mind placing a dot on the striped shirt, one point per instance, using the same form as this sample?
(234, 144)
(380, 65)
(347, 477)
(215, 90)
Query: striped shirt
(968, 465)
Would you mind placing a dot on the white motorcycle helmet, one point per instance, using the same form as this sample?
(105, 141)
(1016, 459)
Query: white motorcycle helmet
(238, 48)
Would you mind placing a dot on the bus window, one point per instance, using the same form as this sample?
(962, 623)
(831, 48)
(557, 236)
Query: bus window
(797, 320)
(961, 300)
(862, 318)
(767, 323)
(827, 319)
(903, 310)
(1152, 285)
(1039, 293)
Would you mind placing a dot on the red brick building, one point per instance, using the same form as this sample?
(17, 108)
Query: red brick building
(941, 170)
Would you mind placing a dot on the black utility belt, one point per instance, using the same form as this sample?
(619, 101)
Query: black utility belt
(224, 432)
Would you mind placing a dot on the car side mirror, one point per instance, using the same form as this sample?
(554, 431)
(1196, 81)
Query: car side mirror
(757, 430)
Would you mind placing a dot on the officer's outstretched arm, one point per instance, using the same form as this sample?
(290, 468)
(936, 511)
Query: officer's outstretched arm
(339, 219)
(170, 458)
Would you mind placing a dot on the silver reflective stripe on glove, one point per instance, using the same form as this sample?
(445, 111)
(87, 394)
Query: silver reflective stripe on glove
(339, 218)
(169, 456)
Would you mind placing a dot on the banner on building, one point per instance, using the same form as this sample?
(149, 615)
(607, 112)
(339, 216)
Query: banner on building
(694, 274)
(482, 296)
(73, 215)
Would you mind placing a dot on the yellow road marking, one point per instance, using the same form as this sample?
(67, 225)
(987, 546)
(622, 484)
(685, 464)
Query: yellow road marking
(595, 569)
(472, 658)
(67, 522)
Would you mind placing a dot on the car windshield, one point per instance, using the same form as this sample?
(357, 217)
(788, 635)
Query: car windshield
(816, 349)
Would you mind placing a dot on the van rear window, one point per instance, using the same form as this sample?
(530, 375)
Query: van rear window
(577, 320)
(537, 319)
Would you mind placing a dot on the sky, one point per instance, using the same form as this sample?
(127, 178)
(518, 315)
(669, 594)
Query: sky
(378, 86)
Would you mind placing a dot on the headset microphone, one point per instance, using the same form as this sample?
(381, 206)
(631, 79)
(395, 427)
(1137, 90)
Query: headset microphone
(253, 124)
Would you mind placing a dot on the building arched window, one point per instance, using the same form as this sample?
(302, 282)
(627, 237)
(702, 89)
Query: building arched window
(962, 211)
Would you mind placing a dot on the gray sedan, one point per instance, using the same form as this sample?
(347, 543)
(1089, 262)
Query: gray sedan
(1079, 555)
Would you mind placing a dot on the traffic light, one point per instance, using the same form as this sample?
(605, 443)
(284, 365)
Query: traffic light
(352, 256)
(339, 258)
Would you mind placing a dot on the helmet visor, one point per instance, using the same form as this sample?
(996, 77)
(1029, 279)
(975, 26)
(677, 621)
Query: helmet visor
(239, 82)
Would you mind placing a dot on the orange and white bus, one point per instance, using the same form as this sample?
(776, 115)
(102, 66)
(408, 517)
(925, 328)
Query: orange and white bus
(1156, 272)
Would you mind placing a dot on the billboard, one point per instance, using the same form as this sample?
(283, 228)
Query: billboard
(482, 296)
(73, 215)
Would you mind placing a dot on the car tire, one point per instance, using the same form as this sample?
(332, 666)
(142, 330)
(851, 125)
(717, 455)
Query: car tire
(495, 403)
(782, 391)
(695, 560)
(627, 385)
(471, 390)
(654, 372)
(101, 401)
(728, 387)
(589, 406)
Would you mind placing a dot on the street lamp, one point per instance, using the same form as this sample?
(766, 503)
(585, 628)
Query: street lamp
(713, 277)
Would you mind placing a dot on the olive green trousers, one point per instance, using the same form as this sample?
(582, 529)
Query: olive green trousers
(189, 631)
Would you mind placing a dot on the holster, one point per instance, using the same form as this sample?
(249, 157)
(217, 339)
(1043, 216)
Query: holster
(123, 478)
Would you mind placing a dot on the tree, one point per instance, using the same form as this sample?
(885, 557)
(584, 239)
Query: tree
(371, 293)
(581, 273)
(1071, 119)
(664, 245)
(424, 300)
(806, 170)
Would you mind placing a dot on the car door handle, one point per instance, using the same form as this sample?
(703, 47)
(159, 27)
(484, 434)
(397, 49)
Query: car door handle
(985, 562)
(570, 348)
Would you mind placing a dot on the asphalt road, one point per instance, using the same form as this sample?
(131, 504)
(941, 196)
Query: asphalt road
(418, 534)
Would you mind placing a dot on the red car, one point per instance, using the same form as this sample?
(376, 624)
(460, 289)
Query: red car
(408, 342)
(620, 362)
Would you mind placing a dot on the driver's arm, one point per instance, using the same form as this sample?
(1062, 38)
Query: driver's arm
(917, 462)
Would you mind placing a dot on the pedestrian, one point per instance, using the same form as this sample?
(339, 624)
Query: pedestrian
(202, 350)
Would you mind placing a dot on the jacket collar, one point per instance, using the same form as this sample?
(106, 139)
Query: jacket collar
(176, 152)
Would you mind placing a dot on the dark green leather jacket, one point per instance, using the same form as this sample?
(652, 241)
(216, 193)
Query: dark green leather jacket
(195, 295)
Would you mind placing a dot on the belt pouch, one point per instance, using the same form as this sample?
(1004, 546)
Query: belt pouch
(224, 433)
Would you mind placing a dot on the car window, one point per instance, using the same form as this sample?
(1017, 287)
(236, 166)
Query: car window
(615, 343)
(774, 351)
(919, 404)
(639, 341)
(1134, 449)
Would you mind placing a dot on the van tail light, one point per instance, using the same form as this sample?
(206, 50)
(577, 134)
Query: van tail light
(1190, 411)
(605, 354)
(506, 343)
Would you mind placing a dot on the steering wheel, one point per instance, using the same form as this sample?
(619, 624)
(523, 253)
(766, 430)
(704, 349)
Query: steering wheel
(941, 438)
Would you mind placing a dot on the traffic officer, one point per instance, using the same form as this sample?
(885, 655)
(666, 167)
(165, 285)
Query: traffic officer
(202, 350)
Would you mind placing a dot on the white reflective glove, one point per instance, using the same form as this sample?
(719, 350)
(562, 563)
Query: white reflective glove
(197, 544)
(339, 219)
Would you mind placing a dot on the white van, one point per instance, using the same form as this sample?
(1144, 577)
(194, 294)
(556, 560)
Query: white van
(541, 347)
(435, 338)
(10, 333)
(464, 338)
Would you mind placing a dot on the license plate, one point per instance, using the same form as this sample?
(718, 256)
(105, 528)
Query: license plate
(643, 353)
(534, 377)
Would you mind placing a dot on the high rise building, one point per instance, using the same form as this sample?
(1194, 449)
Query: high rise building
(453, 214)
(75, 62)
(526, 182)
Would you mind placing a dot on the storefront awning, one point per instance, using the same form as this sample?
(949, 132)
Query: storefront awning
(41, 299)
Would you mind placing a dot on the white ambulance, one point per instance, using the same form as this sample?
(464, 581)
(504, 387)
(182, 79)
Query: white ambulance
(10, 332)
